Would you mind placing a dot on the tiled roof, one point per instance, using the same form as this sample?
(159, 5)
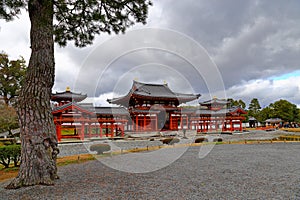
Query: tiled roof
(111, 111)
(158, 91)
(93, 110)
(222, 111)
(73, 105)
(145, 111)
(211, 112)
(68, 96)
(215, 101)
(273, 120)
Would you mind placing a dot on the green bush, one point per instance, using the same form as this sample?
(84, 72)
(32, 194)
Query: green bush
(218, 140)
(10, 153)
(7, 141)
(201, 139)
(170, 141)
(100, 148)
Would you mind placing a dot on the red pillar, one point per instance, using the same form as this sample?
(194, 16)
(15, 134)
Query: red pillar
(58, 132)
(241, 128)
(156, 121)
(90, 131)
(122, 130)
(136, 123)
(181, 122)
(101, 130)
(112, 130)
(187, 123)
(144, 123)
(82, 131)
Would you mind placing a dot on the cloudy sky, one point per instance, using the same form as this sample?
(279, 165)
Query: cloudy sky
(230, 48)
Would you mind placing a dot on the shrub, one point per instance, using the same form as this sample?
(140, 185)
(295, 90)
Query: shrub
(100, 148)
(170, 141)
(7, 141)
(218, 140)
(201, 139)
(10, 153)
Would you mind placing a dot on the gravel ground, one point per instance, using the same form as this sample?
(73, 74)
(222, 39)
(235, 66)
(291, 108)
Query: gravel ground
(249, 171)
(83, 148)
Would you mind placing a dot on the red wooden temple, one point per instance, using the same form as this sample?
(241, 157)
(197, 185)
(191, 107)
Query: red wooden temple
(154, 107)
(217, 115)
(145, 108)
(80, 120)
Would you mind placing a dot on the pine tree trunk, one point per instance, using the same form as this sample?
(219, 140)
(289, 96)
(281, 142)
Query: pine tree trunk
(38, 136)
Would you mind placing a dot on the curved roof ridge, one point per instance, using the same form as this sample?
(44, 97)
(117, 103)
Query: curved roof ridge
(143, 83)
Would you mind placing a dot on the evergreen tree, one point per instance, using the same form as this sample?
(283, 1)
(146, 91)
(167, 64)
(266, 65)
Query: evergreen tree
(78, 21)
(284, 110)
(12, 73)
(254, 108)
(8, 118)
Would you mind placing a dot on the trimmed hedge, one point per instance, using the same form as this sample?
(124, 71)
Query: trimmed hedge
(10, 153)
(170, 141)
(100, 148)
(201, 139)
(218, 140)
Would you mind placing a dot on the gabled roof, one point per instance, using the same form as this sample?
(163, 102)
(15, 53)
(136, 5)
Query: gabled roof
(273, 120)
(215, 101)
(71, 105)
(252, 119)
(153, 91)
(111, 111)
(230, 111)
(211, 112)
(68, 96)
(237, 109)
(145, 111)
(91, 110)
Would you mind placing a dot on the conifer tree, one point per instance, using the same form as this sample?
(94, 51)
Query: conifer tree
(75, 20)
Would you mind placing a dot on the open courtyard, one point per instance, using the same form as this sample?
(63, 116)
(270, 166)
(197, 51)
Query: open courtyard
(229, 171)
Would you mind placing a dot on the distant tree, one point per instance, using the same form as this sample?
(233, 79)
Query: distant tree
(242, 104)
(77, 21)
(264, 114)
(12, 74)
(239, 103)
(8, 118)
(284, 110)
(297, 114)
(254, 108)
(230, 101)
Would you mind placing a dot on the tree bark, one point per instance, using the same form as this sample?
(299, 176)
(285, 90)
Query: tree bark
(38, 136)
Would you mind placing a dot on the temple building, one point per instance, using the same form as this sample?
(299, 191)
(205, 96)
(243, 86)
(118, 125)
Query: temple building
(75, 120)
(145, 108)
(154, 107)
(67, 96)
(217, 115)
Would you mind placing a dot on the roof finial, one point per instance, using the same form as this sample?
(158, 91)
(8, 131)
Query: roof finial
(165, 82)
(136, 79)
(68, 89)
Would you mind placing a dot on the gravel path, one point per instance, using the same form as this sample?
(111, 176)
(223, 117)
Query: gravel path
(252, 171)
(83, 148)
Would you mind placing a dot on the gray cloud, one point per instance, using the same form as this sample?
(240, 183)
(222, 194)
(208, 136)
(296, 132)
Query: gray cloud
(250, 41)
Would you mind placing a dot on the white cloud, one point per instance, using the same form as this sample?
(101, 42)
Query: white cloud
(100, 101)
(268, 91)
(250, 41)
(14, 37)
